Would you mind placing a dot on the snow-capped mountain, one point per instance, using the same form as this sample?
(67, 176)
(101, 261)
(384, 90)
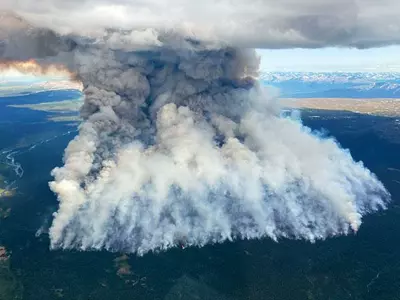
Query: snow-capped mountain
(329, 77)
(335, 85)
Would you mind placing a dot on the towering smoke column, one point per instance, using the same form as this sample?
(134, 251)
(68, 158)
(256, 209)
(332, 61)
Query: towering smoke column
(180, 144)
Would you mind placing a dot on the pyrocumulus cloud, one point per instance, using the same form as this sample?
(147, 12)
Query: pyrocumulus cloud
(180, 144)
(261, 23)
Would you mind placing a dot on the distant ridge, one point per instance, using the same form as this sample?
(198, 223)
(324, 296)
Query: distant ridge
(334, 84)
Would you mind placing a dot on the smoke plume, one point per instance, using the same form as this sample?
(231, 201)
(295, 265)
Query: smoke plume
(181, 145)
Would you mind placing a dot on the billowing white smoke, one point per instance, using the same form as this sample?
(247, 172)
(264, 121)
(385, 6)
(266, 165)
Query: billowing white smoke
(180, 145)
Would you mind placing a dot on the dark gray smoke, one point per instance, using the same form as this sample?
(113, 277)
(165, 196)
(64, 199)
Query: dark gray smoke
(180, 144)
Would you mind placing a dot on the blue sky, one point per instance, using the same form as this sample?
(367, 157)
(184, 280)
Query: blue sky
(384, 59)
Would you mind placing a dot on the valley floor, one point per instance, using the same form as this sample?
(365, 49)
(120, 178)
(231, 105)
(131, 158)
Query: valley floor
(380, 106)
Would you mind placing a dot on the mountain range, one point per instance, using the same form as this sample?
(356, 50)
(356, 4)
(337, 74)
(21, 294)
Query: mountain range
(334, 85)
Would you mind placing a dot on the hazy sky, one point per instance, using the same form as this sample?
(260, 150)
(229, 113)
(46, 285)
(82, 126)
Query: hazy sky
(332, 59)
(385, 59)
